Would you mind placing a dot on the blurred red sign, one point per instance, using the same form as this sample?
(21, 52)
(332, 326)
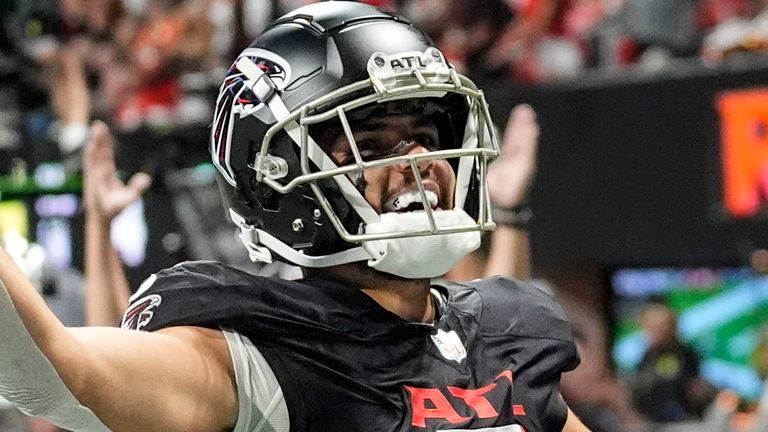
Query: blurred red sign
(744, 150)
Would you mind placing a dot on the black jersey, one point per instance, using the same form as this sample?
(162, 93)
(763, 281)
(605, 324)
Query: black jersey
(491, 361)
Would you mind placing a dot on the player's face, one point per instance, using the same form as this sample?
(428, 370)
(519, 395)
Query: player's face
(393, 188)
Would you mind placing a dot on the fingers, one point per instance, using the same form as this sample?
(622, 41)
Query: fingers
(523, 112)
(105, 194)
(90, 146)
(140, 182)
(510, 176)
(114, 196)
(100, 148)
(522, 131)
(99, 133)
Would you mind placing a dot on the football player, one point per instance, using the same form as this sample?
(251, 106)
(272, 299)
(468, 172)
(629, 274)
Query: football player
(347, 145)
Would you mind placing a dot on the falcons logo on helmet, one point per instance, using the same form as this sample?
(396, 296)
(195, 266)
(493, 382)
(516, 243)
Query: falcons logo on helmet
(236, 98)
(140, 313)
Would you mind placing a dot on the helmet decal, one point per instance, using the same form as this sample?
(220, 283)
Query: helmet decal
(236, 98)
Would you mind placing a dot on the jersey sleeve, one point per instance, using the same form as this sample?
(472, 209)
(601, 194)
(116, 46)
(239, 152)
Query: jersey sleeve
(191, 293)
(532, 327)
(210, 294)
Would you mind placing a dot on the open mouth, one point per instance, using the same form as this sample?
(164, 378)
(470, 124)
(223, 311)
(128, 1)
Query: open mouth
(411, 201)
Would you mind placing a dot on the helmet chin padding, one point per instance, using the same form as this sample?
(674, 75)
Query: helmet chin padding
(417, 257)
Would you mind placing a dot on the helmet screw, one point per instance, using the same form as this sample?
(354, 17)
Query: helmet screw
(379, 61)
(297, 225)
(316, 214)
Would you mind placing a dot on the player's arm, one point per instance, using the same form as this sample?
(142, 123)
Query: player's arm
(178, 379)
(106, 285)
(509, 179)
(105, 195)
(573, 424)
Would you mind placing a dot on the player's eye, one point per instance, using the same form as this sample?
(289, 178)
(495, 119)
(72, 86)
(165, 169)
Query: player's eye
(371, 149)
(426, 140)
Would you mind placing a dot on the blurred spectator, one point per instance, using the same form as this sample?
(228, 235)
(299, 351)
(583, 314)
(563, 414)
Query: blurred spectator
(661, 29)
(463, 30)
(713, 12)
(534, 46)
(593, 390)
(84, 45)
(735, 27)
(728, 413)
(526, 40)
(757, 418)
(174, 37)
(548, 39)
(70, 99)
(667, 386)
(608, 44)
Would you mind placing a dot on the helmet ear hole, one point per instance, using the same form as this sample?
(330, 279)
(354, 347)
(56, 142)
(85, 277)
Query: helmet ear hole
(257, 195)
(266, 197)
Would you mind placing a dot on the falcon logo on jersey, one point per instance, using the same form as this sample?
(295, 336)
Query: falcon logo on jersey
(236, 98)
(450, 345)
(140, 313)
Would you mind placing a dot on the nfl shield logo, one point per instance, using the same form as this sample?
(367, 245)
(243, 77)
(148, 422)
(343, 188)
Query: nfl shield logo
(450, 345)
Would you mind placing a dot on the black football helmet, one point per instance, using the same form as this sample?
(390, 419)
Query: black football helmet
(313, 70)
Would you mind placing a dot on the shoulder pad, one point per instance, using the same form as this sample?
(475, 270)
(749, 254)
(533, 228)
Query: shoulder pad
(513, 307)
(194, 288)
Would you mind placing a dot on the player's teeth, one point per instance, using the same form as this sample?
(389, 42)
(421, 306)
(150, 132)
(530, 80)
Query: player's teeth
(402, 201)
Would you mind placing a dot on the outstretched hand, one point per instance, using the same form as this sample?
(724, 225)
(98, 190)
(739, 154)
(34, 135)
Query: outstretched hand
(105, 195)
(511, 174)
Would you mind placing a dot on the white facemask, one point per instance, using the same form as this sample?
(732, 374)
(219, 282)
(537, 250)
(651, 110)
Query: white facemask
(425, 256)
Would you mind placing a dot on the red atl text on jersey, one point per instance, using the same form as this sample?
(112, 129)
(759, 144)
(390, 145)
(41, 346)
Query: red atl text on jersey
(440, 408)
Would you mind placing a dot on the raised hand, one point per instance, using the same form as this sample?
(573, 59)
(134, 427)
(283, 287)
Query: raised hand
(510, 176)
(105, 195)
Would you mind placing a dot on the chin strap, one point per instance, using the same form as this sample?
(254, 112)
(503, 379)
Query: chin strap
(417, 257)
(260, 245)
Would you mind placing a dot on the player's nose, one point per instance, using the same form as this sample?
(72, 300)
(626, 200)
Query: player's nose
(414, 148)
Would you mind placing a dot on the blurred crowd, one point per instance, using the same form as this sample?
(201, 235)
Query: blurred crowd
(133, 62)
(531, 41)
